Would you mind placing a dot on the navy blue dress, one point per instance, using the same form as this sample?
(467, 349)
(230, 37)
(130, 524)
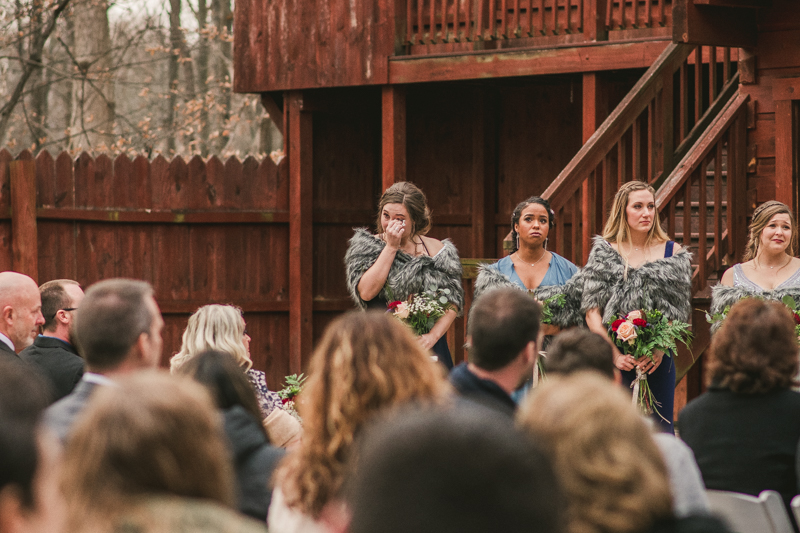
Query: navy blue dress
(440, 349)
(662, 381)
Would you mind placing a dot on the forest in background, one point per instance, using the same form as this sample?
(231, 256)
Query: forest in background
(141, 77)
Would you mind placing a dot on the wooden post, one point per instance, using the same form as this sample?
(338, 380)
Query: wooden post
(595, 110)
(299, 146)
(784, 164)
(393, 127)
(24, 240)
(594, 20)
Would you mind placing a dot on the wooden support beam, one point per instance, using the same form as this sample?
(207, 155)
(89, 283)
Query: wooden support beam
(784, 141)
(573, 58)
(484, 178)
(393, 128)
(24, 240)
(595, 111)
(274, 109)
(299, 148)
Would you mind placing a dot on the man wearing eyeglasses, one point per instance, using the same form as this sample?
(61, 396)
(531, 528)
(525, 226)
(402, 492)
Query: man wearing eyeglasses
(20, 313)
(53, 352)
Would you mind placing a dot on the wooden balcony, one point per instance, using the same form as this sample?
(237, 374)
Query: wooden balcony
(287, 45)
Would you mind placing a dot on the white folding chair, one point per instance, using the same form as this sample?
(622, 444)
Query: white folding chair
(796, 508)
(750, 514)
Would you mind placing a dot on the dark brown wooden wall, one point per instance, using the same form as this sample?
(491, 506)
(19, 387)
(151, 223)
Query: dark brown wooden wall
(776, 56)
(201, 232)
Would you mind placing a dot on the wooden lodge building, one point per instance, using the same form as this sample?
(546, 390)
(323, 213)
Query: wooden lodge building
(483, 103)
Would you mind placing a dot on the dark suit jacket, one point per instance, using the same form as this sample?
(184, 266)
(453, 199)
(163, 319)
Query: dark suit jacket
(56, 360)
(6, 352)
(61, 416)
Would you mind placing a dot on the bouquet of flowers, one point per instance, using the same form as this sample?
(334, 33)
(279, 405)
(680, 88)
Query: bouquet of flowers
(550, 306)
(294, 386)
(421, 311)
(790, 302)
(639, 334)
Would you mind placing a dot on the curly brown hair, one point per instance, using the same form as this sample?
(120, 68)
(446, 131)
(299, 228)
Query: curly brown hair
(610, 468)
(755, 350)
(365, 362)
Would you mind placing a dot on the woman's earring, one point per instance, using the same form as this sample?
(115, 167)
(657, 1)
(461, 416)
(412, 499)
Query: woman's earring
(545, 242)
(517, 241)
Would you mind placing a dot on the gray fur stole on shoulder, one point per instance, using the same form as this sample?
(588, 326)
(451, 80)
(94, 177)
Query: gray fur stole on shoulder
(567, 316)
(723, 296)
(408, 274)
(664, 284)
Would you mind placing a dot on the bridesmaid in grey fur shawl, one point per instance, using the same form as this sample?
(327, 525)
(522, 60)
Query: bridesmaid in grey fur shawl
(400, 261)
(769, 270)
(635, 265)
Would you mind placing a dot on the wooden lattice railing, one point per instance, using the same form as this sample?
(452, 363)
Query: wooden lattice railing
(652, 129)
(448, 21)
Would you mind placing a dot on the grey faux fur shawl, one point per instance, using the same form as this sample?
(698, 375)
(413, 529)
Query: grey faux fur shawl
(568, 316)
(723, 296)
(409, 274)
(664, 284)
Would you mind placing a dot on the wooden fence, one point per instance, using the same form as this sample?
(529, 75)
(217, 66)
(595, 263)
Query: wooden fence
(199, 231)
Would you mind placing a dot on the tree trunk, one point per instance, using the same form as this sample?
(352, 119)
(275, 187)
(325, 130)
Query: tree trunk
(93, 110)
(202, 76)
(175, 42)
(223, 19)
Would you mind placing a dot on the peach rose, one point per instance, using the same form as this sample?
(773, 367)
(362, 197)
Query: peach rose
(626, 332)
(634, 315)
(401, 311)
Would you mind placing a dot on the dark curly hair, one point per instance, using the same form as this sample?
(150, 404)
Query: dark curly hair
(517, 213)
(755, 351)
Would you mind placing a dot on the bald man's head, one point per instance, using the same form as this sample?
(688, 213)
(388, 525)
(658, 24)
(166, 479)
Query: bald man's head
(20, 309)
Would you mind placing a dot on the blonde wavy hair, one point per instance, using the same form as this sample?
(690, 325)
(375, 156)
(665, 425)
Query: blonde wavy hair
(617, 229)
(365, 363)
(213, 327)
(761, 217)
(610, 468)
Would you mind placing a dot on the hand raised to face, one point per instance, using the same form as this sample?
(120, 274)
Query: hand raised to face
(394, 233)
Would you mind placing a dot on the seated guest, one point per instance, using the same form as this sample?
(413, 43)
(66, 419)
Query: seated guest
(254, 458)
(580, 350)
(149, 456)
(53, 352)
(603, 453)
(30, 501)
(459, 471)
(502, 335)
(118, 329)
(222, 328)
(365, 363)
(745, 430)
(20, 313)
(577, 350)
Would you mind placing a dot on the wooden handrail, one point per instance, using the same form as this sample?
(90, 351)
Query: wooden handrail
(595, 149)
(697, 155)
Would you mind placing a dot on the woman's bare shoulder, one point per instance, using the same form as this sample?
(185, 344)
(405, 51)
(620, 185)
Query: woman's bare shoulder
(727, 278)
(433, 245)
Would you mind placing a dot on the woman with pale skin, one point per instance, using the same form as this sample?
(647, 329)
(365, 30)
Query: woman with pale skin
(635, 266)
(401, 261)
(769, 271)
(769, 262)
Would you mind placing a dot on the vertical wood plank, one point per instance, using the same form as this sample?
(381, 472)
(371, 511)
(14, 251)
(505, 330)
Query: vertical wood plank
(683, 112)
(726, 64)
(393, 135)
(468, 33)
(516, 31)
(783, 152)
(443, 18)
(698, 84)
(300, 231)
(667, 125)
(555, 17)
(702, 225)
(409, 22)
(420, 25)
(712, 74)
(718, 205)
(636, 150)
(687, 213)
(492, 19)
(25, 257)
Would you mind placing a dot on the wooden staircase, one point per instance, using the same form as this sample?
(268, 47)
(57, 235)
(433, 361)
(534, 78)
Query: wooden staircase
(682, 129)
